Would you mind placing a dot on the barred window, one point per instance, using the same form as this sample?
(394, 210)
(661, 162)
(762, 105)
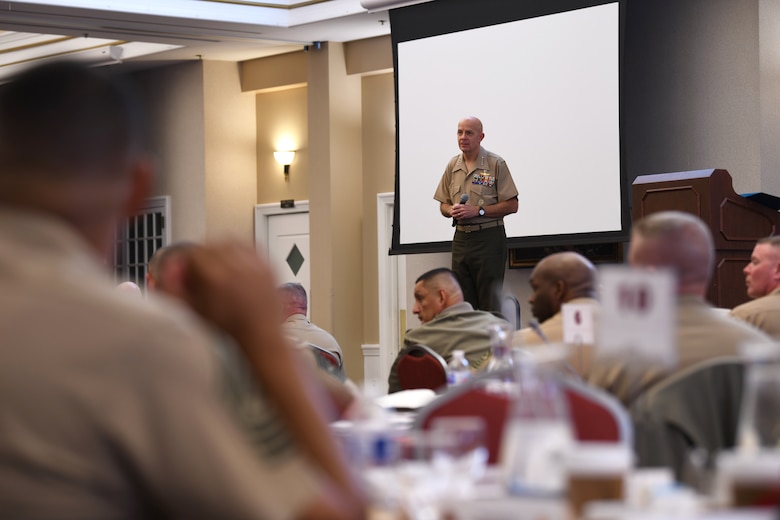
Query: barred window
(138, 237)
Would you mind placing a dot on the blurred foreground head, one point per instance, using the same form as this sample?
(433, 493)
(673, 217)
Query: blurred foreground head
(166, 269)
(71, 146)
(678, 241)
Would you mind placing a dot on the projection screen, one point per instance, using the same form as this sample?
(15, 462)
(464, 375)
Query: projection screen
(544, 79)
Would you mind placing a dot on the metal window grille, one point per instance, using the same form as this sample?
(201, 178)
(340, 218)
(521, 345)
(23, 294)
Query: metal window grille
(138, 237)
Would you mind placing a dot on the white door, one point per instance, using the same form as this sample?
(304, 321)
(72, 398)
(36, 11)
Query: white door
(288, 247)
(284, 235)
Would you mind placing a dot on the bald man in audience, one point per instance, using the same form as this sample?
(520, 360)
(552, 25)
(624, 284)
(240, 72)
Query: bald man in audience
(295, 307)
(560, 278)
(762, 277)
(448, 322)
(683, 243)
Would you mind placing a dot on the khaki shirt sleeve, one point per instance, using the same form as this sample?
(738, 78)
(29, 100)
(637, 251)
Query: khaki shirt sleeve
(446, 190)
(506, 185)
(189, 451)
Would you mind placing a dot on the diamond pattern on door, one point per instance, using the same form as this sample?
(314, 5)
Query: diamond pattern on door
(288, 248)
(295, 259)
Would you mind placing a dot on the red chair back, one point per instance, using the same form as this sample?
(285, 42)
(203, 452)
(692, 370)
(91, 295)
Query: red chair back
(595, 415)
(472, 401)
(421, 367)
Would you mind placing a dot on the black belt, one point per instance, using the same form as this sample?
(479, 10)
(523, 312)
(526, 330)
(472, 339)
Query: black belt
(470, 228)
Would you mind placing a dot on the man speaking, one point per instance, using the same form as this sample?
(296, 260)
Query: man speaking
(477, 191)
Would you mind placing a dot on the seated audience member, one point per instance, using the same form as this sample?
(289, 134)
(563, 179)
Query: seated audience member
(762, 277)
(165, 273)
(239, 389)
(295, 306)
(683, 243)
(448, 322)
(559, 278)
(109, 407)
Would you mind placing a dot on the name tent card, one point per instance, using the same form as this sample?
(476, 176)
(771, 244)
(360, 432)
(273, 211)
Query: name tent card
(578, 327)
(638, 315)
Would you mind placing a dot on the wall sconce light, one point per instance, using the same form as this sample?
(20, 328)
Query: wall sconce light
(285, 158)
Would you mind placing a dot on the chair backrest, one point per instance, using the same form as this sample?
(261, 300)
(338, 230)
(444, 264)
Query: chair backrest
(328, 361)
(595, 415)
(421, 367)
(472, 399)
(510, 308)
(697, 409)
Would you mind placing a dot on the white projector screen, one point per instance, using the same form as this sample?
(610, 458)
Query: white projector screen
(547, 91)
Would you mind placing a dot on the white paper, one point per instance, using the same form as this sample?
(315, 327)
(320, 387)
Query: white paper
(407, 399)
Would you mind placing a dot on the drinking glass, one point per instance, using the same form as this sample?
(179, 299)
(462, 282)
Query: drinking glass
(440, 466)
(759, 424)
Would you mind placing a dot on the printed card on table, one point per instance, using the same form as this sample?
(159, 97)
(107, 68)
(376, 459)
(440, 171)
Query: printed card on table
(578, 326)
(638, 315)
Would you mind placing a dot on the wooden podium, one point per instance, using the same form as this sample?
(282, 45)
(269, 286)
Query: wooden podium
(736, 222)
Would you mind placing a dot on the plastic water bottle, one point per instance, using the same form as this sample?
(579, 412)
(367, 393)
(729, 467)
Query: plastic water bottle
(500, 347)
(371, 440)
(458, 370)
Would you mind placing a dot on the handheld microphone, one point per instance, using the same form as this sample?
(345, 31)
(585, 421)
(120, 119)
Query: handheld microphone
(463, 199)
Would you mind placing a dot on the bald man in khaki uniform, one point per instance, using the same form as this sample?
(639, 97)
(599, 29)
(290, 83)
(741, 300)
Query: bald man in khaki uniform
(479, 244)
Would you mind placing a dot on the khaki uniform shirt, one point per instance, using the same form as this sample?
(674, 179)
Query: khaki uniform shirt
(299, 327)
(110, 405)
(488, 183)
(702, 333)
(458, 327)
(580, 357)
(763, 313)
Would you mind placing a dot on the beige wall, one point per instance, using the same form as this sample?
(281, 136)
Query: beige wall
(282, 124)
(378, 135)
(335, 194)
(275, 72)
(175, 104)
(203, 131)
(230, 144)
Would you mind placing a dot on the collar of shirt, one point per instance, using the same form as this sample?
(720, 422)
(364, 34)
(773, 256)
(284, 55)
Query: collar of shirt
(293, 318)
(458, 308)
(23, 233)
(481, 163)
